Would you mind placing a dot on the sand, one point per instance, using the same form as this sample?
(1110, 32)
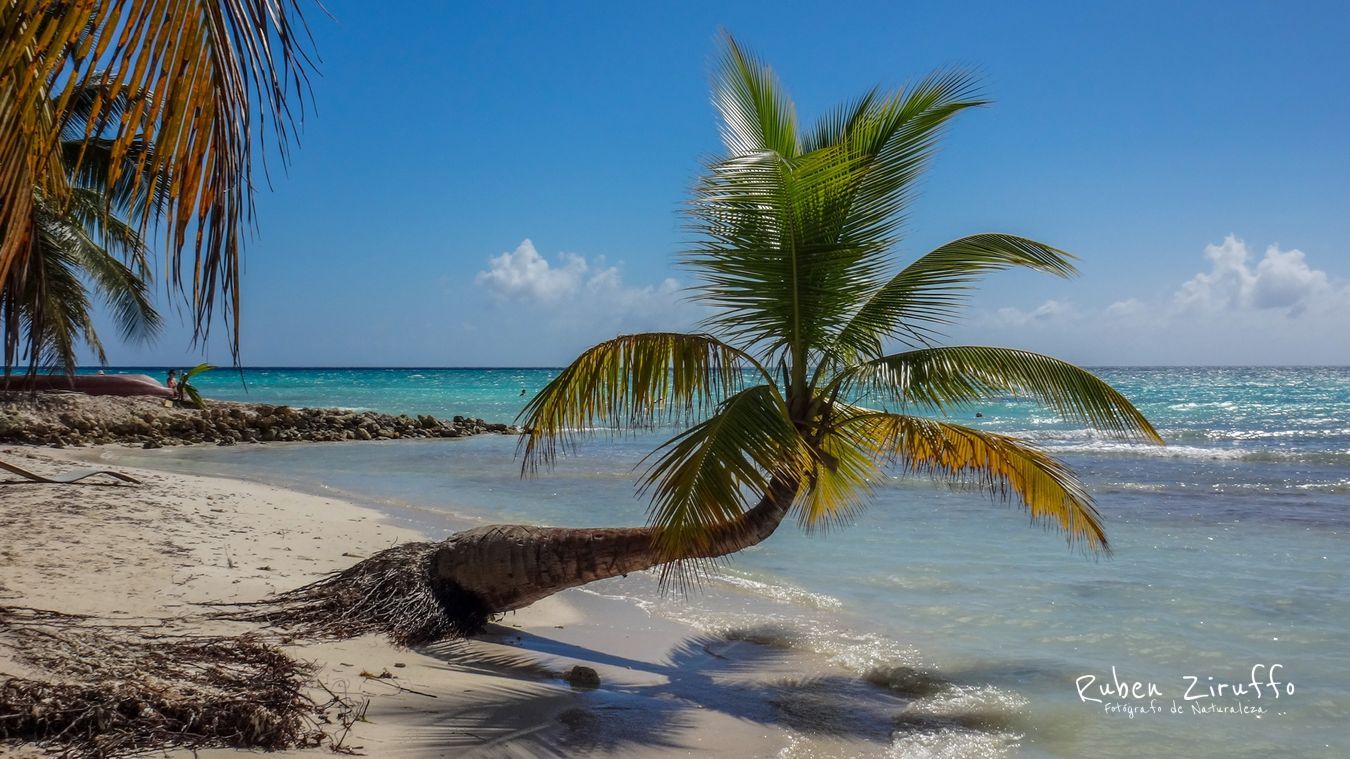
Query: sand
(152, 551)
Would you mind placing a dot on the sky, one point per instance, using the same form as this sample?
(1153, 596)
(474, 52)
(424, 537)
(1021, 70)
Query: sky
(499, 184)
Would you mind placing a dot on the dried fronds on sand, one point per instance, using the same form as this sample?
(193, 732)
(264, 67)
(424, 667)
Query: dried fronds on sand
(394, 593)
(109, 691)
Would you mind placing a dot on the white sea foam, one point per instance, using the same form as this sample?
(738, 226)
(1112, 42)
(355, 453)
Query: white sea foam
(862, 652)
(1192, 405)
(1103, 447)
(965, 699)
(1340, 486)
(779, 592)
(1194, 452)
(952, 743)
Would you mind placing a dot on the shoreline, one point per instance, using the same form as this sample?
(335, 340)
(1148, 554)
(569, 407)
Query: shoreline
(662, 689)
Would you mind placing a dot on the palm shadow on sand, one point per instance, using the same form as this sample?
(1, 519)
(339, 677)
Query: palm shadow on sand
(747, 675)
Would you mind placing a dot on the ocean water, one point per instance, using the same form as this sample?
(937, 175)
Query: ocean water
(1230, 560)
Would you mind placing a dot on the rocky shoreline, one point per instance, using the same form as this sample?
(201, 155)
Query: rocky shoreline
(61, 419)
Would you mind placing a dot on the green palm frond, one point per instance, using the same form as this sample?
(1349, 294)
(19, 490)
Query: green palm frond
(793, 236)
(89, 208)
(757, 114)
(703, 476)
(931, 291)
(50, 300)
(889, 141)
(634, 381)
(194, 396)
(45, 303)
(1003, 465)
(125, 290)
(937, 378)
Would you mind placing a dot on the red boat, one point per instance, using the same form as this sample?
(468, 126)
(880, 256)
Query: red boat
(90, 384)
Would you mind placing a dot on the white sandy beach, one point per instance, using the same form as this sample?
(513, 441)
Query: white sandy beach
(138, 554)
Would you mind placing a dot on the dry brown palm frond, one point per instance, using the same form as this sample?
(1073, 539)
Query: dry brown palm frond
(205, 83)
(109, 691)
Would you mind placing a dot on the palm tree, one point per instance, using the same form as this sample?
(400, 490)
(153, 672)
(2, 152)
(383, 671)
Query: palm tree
(794, 238)
(214, 81)
(45, 306)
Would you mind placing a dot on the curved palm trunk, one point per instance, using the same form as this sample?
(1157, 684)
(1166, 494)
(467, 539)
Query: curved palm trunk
(507, 567)
(422, 592)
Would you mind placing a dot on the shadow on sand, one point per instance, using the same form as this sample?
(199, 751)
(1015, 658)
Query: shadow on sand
(756, 677)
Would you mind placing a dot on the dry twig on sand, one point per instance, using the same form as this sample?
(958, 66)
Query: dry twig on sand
(108, 691)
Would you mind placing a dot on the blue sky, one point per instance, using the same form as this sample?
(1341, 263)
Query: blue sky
(1194, 157)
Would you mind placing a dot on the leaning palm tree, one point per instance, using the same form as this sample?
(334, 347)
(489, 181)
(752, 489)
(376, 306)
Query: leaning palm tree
(796, 406)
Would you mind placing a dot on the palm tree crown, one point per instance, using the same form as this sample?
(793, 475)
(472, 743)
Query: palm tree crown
(795, 232)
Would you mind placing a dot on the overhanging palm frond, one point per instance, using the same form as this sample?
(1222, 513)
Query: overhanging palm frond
(633, 381)
(224, 77)
(930, 291)
(937, 378)
(703, 476)
(1005, 466)
(93, 158)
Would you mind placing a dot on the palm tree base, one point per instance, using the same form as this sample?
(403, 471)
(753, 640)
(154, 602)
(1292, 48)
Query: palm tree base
(392, 593)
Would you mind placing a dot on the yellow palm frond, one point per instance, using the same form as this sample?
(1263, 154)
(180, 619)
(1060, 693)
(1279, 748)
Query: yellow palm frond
(632, 381)
(1005, 466)
(839, 480)
(204, 81)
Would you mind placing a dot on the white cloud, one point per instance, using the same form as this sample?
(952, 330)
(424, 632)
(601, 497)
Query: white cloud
(1130, 308)
(1280, 280)
(575, 300)
(1050, 312)
(1276, 309)
(523, 274)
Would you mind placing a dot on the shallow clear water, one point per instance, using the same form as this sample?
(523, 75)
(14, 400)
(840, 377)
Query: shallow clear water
(1230, 553)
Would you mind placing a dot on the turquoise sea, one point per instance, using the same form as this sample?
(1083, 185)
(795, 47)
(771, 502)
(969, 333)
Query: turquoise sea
(1230, 559)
